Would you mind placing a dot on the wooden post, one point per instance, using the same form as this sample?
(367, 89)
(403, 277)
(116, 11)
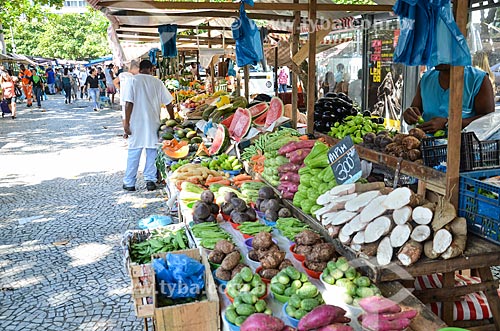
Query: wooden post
(311, 80)
(246, 71)
(455, 114)
(295, 76)
(276, 86)
(212, 67)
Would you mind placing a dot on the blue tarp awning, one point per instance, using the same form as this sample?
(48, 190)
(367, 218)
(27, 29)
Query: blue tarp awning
(99, 60)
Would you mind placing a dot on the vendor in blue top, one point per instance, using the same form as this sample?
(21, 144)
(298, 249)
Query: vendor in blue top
(432, 99)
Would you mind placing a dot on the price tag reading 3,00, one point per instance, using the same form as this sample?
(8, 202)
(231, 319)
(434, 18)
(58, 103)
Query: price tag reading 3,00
(345, 161)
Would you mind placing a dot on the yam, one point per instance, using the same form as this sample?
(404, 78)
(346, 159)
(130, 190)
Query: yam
(374, 209)
(429, 252)
(384, 252)
(216, 257)
(333, 230)
(398, 138)
(457, 247)
(391, 148)
(315, 266)
(417, 133)
(355, 247)
(442, 240)
(386, 190)
(272, 260)
(445, 213)
(379, 305)
(410, 142)
(421, 233)
(262, 322)
(343, 217)
(410, 253)
(374, 322)
(224, 246)
(347, 230)
(307, 237)
(400, 235)
(365, 187)
(458, 227)
(237, 269)
(231, 260)
(346, 240)
(319, 317)
(337, 191)
(223, 274)
(377, 229)
(361, 201)
(359, 238)
(262, 240)
(356, 225)
(422, 215)
(402, 215)
(414, 154)
(303, 249)
(369, 250)
(322, 253)
(268, 273)
(398, 198)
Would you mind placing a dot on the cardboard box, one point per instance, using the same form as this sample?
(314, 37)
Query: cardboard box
(201, 315)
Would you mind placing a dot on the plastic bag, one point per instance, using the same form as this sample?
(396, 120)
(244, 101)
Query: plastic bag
(154, 221)
(247, 37)
(486, 127)
(179, 276)
(168, 40)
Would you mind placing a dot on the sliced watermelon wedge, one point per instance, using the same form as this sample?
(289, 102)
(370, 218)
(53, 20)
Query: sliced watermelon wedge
(227, 121)
(221, 140)
(240, 124)
(258, 109)
(261, 120)
(274, 112)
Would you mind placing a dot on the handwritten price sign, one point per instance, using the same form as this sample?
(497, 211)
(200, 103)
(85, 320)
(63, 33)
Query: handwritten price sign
(345, 162)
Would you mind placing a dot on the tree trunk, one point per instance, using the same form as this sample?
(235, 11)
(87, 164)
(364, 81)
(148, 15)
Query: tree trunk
(3, 47)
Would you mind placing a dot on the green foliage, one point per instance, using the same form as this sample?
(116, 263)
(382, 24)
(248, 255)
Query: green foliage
(67, 36)
(13, 11)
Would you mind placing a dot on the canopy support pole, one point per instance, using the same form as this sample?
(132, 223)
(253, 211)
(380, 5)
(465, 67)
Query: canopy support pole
(295, 76)
(276, 86)
(247, 83)
(311, 81)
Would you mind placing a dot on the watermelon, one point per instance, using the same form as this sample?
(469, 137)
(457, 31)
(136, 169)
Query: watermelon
(221, 140)
(261, 120)
(258, 109)
(227, 121)
(240, 124)
(274, 112)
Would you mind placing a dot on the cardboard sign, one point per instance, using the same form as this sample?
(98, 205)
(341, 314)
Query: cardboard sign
(345, 162)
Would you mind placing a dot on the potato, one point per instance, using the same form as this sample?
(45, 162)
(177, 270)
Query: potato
(231, 260)
(262, 252)
(237, 269)
(303, 249)
(410, 143)
(262, 240)
(224, 246)
(223, 274)
(417, 133)
(414, 154)
(272, 260)
(252, 255)
(216, 257)
(268, 273)
(315, 266)
(307, 237)
(285, 263)
(398, 138)
(322, 253)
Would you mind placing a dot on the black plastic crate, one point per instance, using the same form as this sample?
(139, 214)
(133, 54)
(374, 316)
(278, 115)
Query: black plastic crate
(474, 154)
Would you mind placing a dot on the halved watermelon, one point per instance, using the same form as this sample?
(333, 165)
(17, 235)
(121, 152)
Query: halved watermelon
(227, 121)
(274, 112)
(261, 120)
(221, 140)
(240, 124)
(258, 109)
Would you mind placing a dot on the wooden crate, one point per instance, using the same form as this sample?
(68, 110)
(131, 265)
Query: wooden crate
(143, 289)
(199, 316)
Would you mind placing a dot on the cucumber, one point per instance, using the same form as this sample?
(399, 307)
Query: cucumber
(260, 306)
(303, 277)
(309, 304)
(246, 274)
(248, 298)
(296, 284)
(292, 273)
(237, 301)
(307, 291)
(289, 310)
(240, 320)
(289, 291)
(245, 309)
(299, 313)
(256, 280)
(283, 279)
(294, 301)
(278, 288)
(231, 316)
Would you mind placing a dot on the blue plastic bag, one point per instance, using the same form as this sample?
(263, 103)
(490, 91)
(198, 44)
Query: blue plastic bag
(154, 221)
(168, 40)
(247, 38)
(179, 276)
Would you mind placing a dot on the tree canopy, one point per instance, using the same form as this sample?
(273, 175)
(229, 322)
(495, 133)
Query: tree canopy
(64, 36)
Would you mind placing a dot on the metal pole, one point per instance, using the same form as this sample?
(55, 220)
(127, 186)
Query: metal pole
(311, 83)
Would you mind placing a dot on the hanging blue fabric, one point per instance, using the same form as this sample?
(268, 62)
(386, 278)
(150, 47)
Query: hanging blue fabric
(247, 38)
(429, 34)
(168, 40)
(152, 56)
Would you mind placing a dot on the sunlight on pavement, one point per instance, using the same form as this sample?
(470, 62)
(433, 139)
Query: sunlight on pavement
(88, 253)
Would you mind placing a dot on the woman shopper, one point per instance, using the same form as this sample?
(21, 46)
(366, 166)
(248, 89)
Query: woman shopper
(93, 88)
(75, 83)
(8, 88)
(38, 87)
(66, 85)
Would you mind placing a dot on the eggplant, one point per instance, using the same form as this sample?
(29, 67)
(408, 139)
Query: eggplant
(344, 96)
(331, 95)
(367, 113)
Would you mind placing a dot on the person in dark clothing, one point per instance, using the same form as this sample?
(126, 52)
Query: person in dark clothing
(92, 84)
(67, 80)
(38, 87)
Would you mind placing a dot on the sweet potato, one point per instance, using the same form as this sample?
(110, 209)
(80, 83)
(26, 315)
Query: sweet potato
(224, 246)
(290, 177)
(379, 305)
(288, 167)
(230, 261)
(335, 327)
(320, 316)
(376, 323)
(322, 253)
(298, 156)
(262, 240)
(307, 237)
(292, 146)
(262, 322)
(288, 328)
(409, 314)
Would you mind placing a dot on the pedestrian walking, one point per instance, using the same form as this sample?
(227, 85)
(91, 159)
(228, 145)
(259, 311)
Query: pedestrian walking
(75, 83)
(110, 87)
(123, 80)
(92, 84)
(38, 87)
(82, 77)
(25, 76)
(8, 92)
(66, 85)
(59, 87)
(282, 80)
(51, 80)
(144, 98)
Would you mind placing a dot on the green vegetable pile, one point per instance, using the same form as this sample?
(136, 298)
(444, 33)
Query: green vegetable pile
(316, 178)
(252, 228)
(223, 162)
(304, 296)
(209, 234)
(246, 288)
(161, 240)
(251, 190)
(355, 126)
(271, 164)
(268, 142)
(179, 164)
(356, 287)
(290, 227)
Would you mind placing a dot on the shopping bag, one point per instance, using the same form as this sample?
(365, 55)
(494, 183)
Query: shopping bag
(247, 39)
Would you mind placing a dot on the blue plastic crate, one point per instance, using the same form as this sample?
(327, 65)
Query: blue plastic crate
(482, 212)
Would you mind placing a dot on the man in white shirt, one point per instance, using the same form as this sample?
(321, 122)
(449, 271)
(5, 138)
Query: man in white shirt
(356, 88)
(144, 97)
(82, 77)
(123, 80)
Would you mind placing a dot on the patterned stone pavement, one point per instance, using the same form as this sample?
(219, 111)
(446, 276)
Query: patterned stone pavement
(62, 214)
